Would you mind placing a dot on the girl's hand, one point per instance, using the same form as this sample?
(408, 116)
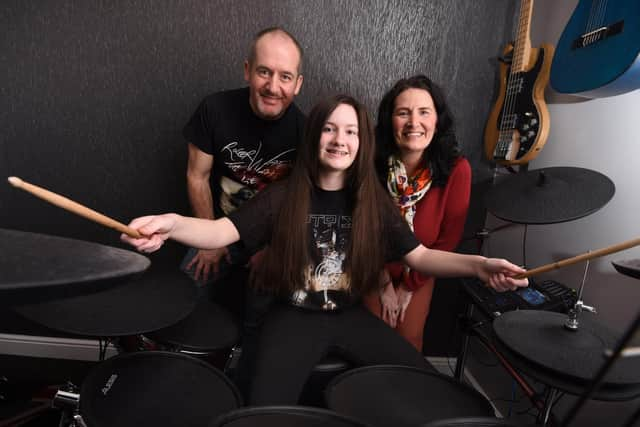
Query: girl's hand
(155, 230)
(500, 275)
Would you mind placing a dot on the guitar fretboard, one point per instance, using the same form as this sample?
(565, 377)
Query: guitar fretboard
(522, 48)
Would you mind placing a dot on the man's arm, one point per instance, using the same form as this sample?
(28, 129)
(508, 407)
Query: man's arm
(199, 167)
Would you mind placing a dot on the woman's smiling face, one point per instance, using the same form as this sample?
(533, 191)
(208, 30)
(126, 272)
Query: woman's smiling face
(414, 120)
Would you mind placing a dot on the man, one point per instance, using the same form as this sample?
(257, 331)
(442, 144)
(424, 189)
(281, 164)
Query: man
(240, 141)
(246, 138)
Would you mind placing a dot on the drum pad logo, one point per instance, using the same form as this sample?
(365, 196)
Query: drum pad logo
(109, 384)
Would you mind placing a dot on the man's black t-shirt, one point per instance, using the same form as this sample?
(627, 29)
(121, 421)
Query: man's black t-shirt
(248, 152)
(326, 284)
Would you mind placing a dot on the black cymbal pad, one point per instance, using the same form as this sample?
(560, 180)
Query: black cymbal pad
(549, 195)
(38, 266)
(629, 267)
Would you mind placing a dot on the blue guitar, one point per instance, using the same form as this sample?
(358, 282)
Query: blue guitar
(598, 54)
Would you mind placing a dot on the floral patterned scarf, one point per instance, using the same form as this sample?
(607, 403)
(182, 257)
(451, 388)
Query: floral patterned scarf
(407, 191)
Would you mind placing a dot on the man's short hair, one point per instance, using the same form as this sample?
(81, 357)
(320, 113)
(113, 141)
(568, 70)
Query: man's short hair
(258, 36)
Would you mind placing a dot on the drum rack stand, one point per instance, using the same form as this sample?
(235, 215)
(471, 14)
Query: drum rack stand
(544, 403)
(471, 328)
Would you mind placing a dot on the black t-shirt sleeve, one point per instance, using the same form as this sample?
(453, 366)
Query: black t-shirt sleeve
(254, 219)
(300, 122)
(200, 128)
(400, 238)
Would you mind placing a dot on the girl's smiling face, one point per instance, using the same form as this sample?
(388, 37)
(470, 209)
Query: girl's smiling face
(339, 140)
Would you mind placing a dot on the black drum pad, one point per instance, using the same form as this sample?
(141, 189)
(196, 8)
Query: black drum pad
(285, 416)
(401, 396)
(153, 388)
(541, 338)
(143, 304)
(475, 422)
(207, 328)
(628, 267)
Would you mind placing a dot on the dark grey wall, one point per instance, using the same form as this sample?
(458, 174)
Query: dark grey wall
(94, 93)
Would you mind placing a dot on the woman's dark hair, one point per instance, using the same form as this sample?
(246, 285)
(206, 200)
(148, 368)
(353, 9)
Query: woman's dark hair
(443, 150)
(287, 258)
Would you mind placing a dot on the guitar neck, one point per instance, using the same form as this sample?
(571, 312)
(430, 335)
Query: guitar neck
(522, 48)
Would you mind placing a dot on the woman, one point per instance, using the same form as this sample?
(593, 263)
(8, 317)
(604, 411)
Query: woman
(313, 263)
(419, 163)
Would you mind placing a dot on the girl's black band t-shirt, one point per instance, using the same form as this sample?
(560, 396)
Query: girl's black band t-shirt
(327, 286)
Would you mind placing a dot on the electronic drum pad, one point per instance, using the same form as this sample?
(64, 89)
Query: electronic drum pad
(39, 267)
(628, 267)
(549, 195)
(142, 304)
(538, 343)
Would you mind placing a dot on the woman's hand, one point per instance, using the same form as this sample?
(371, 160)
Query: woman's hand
(500, 275)
(389, 302)
(404, 298)
(155, 230)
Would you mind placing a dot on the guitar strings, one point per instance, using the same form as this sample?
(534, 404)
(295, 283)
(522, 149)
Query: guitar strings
(507, 124)
(592, 14)
(506, 106)
(596, 20)
(603, 14)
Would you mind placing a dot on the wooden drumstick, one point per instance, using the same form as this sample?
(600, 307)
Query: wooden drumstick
(74, 207)
(583, 257)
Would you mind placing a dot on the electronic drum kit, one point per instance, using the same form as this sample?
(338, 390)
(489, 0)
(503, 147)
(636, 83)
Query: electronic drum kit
(96, 291)
(99, 291)
(573, 353)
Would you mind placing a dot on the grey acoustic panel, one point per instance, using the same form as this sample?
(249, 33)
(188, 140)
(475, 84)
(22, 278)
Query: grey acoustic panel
(94, 93)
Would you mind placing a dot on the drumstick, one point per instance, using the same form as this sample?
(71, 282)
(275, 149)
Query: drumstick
(583, 257)
(74, 207)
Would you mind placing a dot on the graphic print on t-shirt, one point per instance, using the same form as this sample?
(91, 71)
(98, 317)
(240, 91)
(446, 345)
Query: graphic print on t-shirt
(330, 237)
(251, 171)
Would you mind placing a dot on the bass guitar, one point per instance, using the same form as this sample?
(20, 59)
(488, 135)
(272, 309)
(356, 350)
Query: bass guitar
(518, 125)
(598, 53)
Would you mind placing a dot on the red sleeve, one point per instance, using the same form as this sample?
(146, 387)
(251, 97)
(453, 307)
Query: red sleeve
(455, 209)
(440, 217)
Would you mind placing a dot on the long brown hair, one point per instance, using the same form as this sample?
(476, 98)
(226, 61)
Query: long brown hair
(287, 258)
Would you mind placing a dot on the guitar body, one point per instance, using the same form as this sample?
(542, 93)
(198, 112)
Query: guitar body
(598, 54)
(518, 125)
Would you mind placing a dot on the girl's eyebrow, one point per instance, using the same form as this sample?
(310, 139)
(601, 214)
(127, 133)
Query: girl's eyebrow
(347, 125)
